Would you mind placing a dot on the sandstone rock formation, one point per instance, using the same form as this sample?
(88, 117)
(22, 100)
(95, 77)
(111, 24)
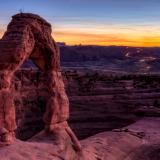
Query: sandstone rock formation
(29, 36)
(123, 144)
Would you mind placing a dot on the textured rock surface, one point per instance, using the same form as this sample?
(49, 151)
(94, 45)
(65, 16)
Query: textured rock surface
(139, 141)
(29, 36)
(102, 101)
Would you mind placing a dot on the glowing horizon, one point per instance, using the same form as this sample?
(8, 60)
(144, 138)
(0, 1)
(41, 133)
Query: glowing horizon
(111, 35)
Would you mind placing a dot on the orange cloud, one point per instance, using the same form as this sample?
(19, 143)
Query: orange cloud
(126, 39)
(151, 41)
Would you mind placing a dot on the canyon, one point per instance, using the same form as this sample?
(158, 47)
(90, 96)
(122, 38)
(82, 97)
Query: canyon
(99, 101)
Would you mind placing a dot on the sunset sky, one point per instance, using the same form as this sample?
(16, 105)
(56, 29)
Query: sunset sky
(98, 22)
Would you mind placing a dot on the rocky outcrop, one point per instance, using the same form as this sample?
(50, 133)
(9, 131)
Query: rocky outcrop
(139, 141)
(29, 36)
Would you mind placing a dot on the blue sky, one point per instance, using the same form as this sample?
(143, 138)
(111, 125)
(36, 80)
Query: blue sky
(91, 17)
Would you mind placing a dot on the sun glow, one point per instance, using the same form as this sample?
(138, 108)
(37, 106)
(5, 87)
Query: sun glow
(110, 35)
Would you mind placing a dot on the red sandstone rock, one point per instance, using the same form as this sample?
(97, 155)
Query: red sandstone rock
(29, 36)
(104, 146)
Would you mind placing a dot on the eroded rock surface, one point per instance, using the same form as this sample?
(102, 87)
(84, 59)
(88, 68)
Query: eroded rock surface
(29, 36)
(124, 144)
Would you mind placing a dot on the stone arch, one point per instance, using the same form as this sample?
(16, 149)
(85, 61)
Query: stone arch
(29, 36)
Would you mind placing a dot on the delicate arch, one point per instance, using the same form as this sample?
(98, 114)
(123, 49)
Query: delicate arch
(29, 36)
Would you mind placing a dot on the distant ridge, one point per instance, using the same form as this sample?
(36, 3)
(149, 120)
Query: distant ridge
(116, 58)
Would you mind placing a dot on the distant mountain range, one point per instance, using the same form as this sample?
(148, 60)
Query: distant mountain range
(113, 58)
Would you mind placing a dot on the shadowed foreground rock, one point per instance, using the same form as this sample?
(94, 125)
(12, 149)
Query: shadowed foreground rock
(139, 141)
(29, 36)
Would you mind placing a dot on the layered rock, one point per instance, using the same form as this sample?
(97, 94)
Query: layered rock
(102, 101)
(29, 36)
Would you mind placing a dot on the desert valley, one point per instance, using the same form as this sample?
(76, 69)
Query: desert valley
(79, 81)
